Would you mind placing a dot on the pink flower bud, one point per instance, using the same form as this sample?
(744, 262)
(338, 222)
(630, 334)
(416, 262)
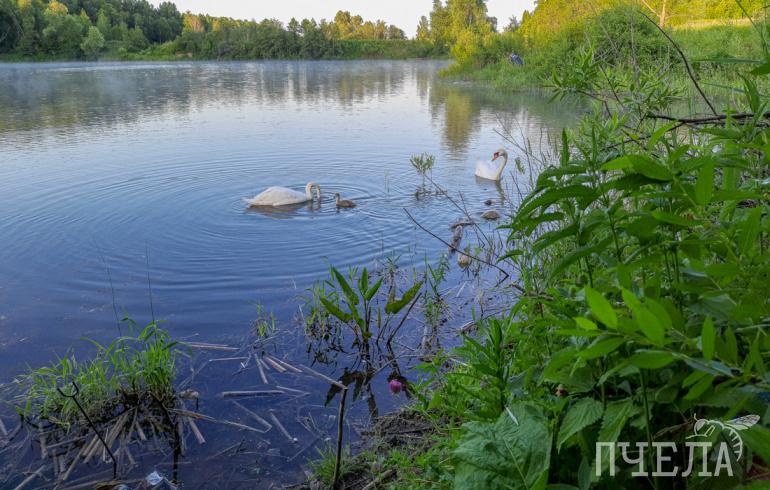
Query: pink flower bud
(395, 386)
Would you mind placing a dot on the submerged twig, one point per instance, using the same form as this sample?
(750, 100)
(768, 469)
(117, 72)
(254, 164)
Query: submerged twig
(340, 433)
(74, 398)
(505, 273)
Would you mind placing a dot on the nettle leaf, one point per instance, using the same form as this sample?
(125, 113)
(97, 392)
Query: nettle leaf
(650, 168)
(552, 196)
(642, 165)
(615, 417)
(704, 186)
(601, 308)
(601, 348)
(585, 323)
(582, 414)
(708, 338)
(750, 230)
(651, 359)
(647, 322)
(673, 219)
(578, 254)
(505, 454)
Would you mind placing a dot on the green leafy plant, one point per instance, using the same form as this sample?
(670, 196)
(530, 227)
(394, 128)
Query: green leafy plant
(423, 164)
(361, 308)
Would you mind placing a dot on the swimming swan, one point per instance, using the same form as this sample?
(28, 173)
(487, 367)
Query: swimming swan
(281, 196)
(490, 171)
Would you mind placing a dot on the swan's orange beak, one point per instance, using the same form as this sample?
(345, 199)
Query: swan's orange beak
(496, 156)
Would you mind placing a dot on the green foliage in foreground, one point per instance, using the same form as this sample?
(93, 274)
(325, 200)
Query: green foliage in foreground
(129, 368)
(645, 253)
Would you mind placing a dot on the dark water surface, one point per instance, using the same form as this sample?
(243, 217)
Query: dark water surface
(142, 166)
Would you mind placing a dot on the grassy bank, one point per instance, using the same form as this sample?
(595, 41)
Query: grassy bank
(710, 50)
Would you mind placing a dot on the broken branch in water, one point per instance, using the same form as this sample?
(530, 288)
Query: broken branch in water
(505, 273)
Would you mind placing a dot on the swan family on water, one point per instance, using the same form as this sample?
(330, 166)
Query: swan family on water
(283, 196)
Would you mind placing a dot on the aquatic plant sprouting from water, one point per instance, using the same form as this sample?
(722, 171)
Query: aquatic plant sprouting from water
(264, 325)
(432, 301)
(127, 368)
(362, 310)
(424, 165)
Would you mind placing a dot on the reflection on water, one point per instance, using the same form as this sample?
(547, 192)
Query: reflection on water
(105, 163)
(110, 173)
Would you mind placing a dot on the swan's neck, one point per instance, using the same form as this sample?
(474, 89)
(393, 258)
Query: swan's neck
(309, 191)
(502, 167)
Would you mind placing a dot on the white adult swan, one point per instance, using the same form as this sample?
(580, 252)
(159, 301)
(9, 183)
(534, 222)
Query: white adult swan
(281, 196)
(490, 171)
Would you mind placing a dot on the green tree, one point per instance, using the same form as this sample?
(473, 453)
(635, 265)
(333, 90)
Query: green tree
(440, 26)
(135, 40)
(10, 25)
(93, 43)
(103, 24)
(63, 32)
(423, 29)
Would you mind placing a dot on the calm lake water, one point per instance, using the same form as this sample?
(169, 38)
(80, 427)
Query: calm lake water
(138, 169)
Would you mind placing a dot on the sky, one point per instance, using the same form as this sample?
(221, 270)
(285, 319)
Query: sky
(403, 13)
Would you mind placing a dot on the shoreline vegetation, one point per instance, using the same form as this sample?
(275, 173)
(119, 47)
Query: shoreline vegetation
(641, 251)
(135, 30)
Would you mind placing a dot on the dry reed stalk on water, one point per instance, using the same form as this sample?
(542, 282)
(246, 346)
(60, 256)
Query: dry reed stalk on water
(282, 428)
(68, 441)
(43, 450)
(29, 478)
(200, 416)
(286, 365)
(298, 392)
(64, 476)
(113, 434)
(196, 432)
(88, 448)
(2, 428)
(262, 372)
(318, 375)
(182, 445)
(127, 450)
(139, 431)
(206, 346)
(274, 364)
(223, 359)
(268, 426)
(229, 394)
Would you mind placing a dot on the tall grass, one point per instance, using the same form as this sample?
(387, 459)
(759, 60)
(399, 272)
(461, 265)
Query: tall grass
(126, 370)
